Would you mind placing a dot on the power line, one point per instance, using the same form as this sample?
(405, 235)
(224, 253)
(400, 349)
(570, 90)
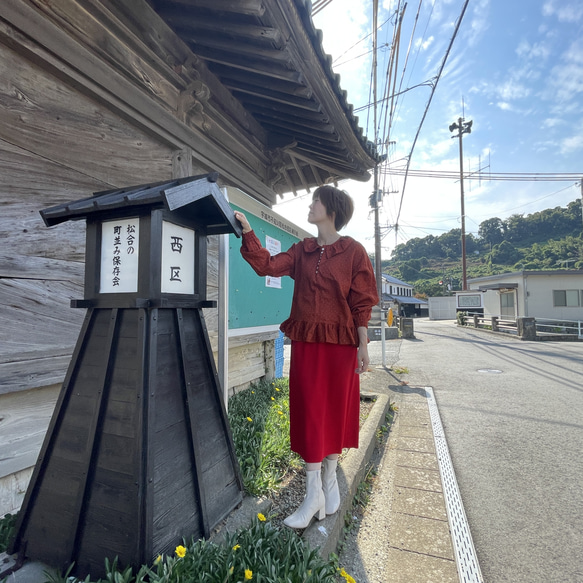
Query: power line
(506, 176)
(319, 5)
(438, 76)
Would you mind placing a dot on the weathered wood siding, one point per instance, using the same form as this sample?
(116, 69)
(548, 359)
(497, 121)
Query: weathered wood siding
(63, 137)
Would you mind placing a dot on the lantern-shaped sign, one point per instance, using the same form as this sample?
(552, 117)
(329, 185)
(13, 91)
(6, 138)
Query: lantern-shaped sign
(138, 453)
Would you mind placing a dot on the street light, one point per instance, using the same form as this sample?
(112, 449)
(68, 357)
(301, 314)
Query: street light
(463, 127)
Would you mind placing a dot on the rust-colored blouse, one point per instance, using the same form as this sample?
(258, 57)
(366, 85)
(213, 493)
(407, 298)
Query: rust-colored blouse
(335, 287)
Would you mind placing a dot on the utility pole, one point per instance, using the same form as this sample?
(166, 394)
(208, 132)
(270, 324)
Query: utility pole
(376, 194)
(464, 127)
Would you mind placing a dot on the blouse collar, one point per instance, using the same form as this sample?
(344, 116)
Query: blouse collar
(311, 245)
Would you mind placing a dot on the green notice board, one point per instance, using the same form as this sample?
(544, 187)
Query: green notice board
(256, 301)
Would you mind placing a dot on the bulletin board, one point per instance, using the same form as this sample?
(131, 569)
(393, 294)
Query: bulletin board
(256, 301)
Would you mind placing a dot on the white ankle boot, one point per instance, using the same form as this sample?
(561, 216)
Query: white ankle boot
(314, 502)
(330, 485)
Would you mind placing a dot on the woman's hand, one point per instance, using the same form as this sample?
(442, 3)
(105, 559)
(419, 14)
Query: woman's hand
(244, 222)
(363, 359)
(362, 356)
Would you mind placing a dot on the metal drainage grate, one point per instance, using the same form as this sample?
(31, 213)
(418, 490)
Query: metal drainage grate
(465, 553)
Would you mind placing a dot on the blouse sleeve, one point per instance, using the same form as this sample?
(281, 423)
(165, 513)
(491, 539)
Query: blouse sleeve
(262, 262)
(363, 290)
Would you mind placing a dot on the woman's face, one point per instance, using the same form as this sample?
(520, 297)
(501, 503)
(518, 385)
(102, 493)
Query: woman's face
(317, 212)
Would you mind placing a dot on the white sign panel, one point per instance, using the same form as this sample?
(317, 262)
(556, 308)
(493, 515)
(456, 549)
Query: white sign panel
(177, 275)
(119, 256)
(274, 247)
(469, 300)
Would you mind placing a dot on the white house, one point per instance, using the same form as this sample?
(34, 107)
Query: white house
(553, 294)
(400, 296)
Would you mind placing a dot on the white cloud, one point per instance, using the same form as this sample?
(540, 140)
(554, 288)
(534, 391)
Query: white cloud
(563, 109)
(512, 90)
(552, 122)
(343, 27)
(574, 54)
(566, 79)
(504, 106)
(533, 51)
(479, 22)
(424, 45)
(564, 11)
(572, 144)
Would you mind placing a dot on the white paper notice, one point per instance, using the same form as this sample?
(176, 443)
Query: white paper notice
(119, 256)
(274, 247)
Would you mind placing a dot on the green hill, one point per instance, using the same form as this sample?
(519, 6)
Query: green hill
(549, 239)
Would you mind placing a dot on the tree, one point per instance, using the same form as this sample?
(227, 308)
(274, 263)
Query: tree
(505, 253)
(491, 231)
(451, 243)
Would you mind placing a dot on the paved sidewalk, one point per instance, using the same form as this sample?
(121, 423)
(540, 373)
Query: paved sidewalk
(404, 536)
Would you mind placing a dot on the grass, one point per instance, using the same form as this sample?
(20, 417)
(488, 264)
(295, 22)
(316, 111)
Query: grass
(258, 552)
(259, 419)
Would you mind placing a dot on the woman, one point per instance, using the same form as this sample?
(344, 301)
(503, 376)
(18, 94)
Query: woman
(334, 292)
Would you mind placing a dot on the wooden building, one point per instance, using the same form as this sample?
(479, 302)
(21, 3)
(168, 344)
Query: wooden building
(100, 94)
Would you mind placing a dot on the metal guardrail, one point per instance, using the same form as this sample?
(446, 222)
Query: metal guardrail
(562, 327)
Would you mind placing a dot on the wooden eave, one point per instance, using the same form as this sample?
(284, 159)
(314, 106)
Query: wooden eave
(269, 55)
(243, 84)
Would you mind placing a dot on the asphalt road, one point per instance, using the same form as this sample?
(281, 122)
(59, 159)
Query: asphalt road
(513, 418)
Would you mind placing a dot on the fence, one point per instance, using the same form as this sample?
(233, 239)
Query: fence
(525, 328)
(546, 326)
(494, 323)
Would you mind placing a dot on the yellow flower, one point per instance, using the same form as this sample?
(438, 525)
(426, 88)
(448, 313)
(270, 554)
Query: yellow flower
(231, 570)
(261, 517)
(276, 389)
(158, 559)
(348, 578)
(273, 398)
(236, 547)
(252, 392)
(248, 574)
(280, 412)
(180, 551)
(249, 419)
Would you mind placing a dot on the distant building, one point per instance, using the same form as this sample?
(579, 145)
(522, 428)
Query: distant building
(399, 296)
(554, 294)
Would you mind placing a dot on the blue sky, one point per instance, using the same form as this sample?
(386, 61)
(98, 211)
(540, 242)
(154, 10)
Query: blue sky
(515, 70)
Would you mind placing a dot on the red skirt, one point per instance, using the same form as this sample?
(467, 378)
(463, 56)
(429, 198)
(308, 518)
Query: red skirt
(324, 399)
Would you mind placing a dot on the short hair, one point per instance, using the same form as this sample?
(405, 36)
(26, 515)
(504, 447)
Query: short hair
(338, 204)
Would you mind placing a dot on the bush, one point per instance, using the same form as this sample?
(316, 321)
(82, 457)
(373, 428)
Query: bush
(6, 527)
(462, 318)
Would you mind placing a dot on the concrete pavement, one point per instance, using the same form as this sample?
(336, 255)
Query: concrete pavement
(404, 536)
